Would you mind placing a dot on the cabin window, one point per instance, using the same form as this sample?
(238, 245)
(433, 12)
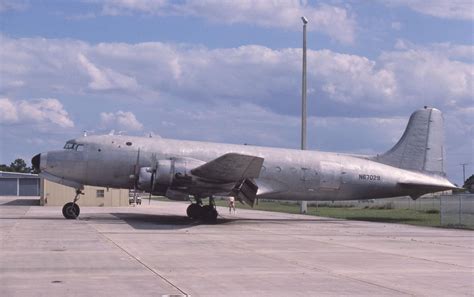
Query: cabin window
(129, 143)
(100, 193)
(79, 147)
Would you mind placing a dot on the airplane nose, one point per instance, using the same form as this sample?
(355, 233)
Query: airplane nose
(36, 162)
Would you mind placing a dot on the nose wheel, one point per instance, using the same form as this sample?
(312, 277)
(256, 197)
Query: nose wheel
(71, 210)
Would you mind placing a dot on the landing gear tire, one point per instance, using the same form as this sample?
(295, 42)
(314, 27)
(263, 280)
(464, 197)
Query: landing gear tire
(209, 214)
(71, 210)
(194, 211)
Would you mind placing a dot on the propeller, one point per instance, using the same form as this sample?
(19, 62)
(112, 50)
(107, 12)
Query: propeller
(137, 175)
(154, 166)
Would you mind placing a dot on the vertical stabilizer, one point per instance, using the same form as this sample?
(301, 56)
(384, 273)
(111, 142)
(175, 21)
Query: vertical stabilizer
(421, 146)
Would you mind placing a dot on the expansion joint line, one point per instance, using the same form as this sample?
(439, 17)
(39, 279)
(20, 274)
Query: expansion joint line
(156, 273)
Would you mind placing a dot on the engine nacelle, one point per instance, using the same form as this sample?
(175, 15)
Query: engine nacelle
(169, 173)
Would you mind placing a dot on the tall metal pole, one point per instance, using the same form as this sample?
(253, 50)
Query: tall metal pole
(303, 204)
(463, 173)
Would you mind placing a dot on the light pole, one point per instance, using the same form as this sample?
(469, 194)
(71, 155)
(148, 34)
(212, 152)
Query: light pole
(303, 204)
(463, 172)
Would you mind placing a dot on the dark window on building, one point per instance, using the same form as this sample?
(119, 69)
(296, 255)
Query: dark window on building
(100, 193)
(29, 187)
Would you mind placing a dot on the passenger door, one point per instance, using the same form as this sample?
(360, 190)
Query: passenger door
(331, 175)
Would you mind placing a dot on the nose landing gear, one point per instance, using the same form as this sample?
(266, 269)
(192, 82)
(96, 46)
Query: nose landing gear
(71, 210)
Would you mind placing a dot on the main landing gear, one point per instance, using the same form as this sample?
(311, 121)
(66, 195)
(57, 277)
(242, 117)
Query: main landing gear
(207, 213)
(71, 210)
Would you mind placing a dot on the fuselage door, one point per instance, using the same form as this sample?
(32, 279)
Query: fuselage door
(310, 179)
(331, 175)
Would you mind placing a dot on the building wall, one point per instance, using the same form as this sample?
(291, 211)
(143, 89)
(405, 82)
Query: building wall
(54, 194)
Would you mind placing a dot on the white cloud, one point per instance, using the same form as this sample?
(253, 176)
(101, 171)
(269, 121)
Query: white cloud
(120, 120)
(48, 112)
(6, 5)
(118, 7)
(350, 78)
(8, 111)
(399, 80)
(446, 9)
(334, 21)
(430, 76)
(396, 26)
(106, 79)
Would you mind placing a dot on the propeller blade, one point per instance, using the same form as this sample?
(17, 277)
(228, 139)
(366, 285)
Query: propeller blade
(154, 163)
(152, 185)
(136, 173)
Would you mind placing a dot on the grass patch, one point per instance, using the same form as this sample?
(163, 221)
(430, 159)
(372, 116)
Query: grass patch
(402, 216)
(383, 213)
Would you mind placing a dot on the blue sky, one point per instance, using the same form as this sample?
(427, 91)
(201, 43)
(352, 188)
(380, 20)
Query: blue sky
(230, 71)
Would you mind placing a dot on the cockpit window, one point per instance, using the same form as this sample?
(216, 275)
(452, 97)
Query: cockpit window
(74, 146)
(69, 146)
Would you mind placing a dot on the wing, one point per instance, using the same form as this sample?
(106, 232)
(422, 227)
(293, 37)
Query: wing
(231, 167)
(241, 170)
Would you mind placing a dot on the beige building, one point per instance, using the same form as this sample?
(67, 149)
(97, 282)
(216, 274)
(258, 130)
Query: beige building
(53, 194)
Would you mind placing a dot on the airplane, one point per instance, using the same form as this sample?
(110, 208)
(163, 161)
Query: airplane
(179, 169)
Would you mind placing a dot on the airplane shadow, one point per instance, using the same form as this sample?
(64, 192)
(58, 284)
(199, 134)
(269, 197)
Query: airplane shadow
(382, 220)
(173, 222)
(22, 202)
(156, 221)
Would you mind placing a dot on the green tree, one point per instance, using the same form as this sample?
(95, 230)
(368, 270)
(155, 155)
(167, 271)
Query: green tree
(4, 167)
(469, 184)
(19, 165)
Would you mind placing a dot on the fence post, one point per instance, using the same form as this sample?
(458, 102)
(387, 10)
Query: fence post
(440, 211)
(460, 210)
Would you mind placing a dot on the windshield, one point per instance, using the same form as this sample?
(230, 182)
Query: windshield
(74, 146)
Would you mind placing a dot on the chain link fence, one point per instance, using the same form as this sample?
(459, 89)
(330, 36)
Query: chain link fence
(457, 210)
(454, 210)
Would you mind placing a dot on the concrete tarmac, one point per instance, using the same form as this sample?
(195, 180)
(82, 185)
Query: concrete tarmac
(154, 250)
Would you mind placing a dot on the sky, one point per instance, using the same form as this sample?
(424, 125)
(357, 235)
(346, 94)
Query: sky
(230, 71)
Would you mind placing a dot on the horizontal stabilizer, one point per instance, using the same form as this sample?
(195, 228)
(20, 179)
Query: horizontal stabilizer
(431, 187)
(230, 167)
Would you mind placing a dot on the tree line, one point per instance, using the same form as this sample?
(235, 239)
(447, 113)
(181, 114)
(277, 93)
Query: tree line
(19, 165)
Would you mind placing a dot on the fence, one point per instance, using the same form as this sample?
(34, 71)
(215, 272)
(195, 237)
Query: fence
(453, 209)
(457, 210)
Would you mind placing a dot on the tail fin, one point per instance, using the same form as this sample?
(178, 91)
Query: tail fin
(421, 146)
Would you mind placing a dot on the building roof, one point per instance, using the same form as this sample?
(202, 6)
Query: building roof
(4, 174)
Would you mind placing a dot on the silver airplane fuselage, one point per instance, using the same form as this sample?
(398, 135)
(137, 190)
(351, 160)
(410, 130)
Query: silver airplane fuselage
(112, 161)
